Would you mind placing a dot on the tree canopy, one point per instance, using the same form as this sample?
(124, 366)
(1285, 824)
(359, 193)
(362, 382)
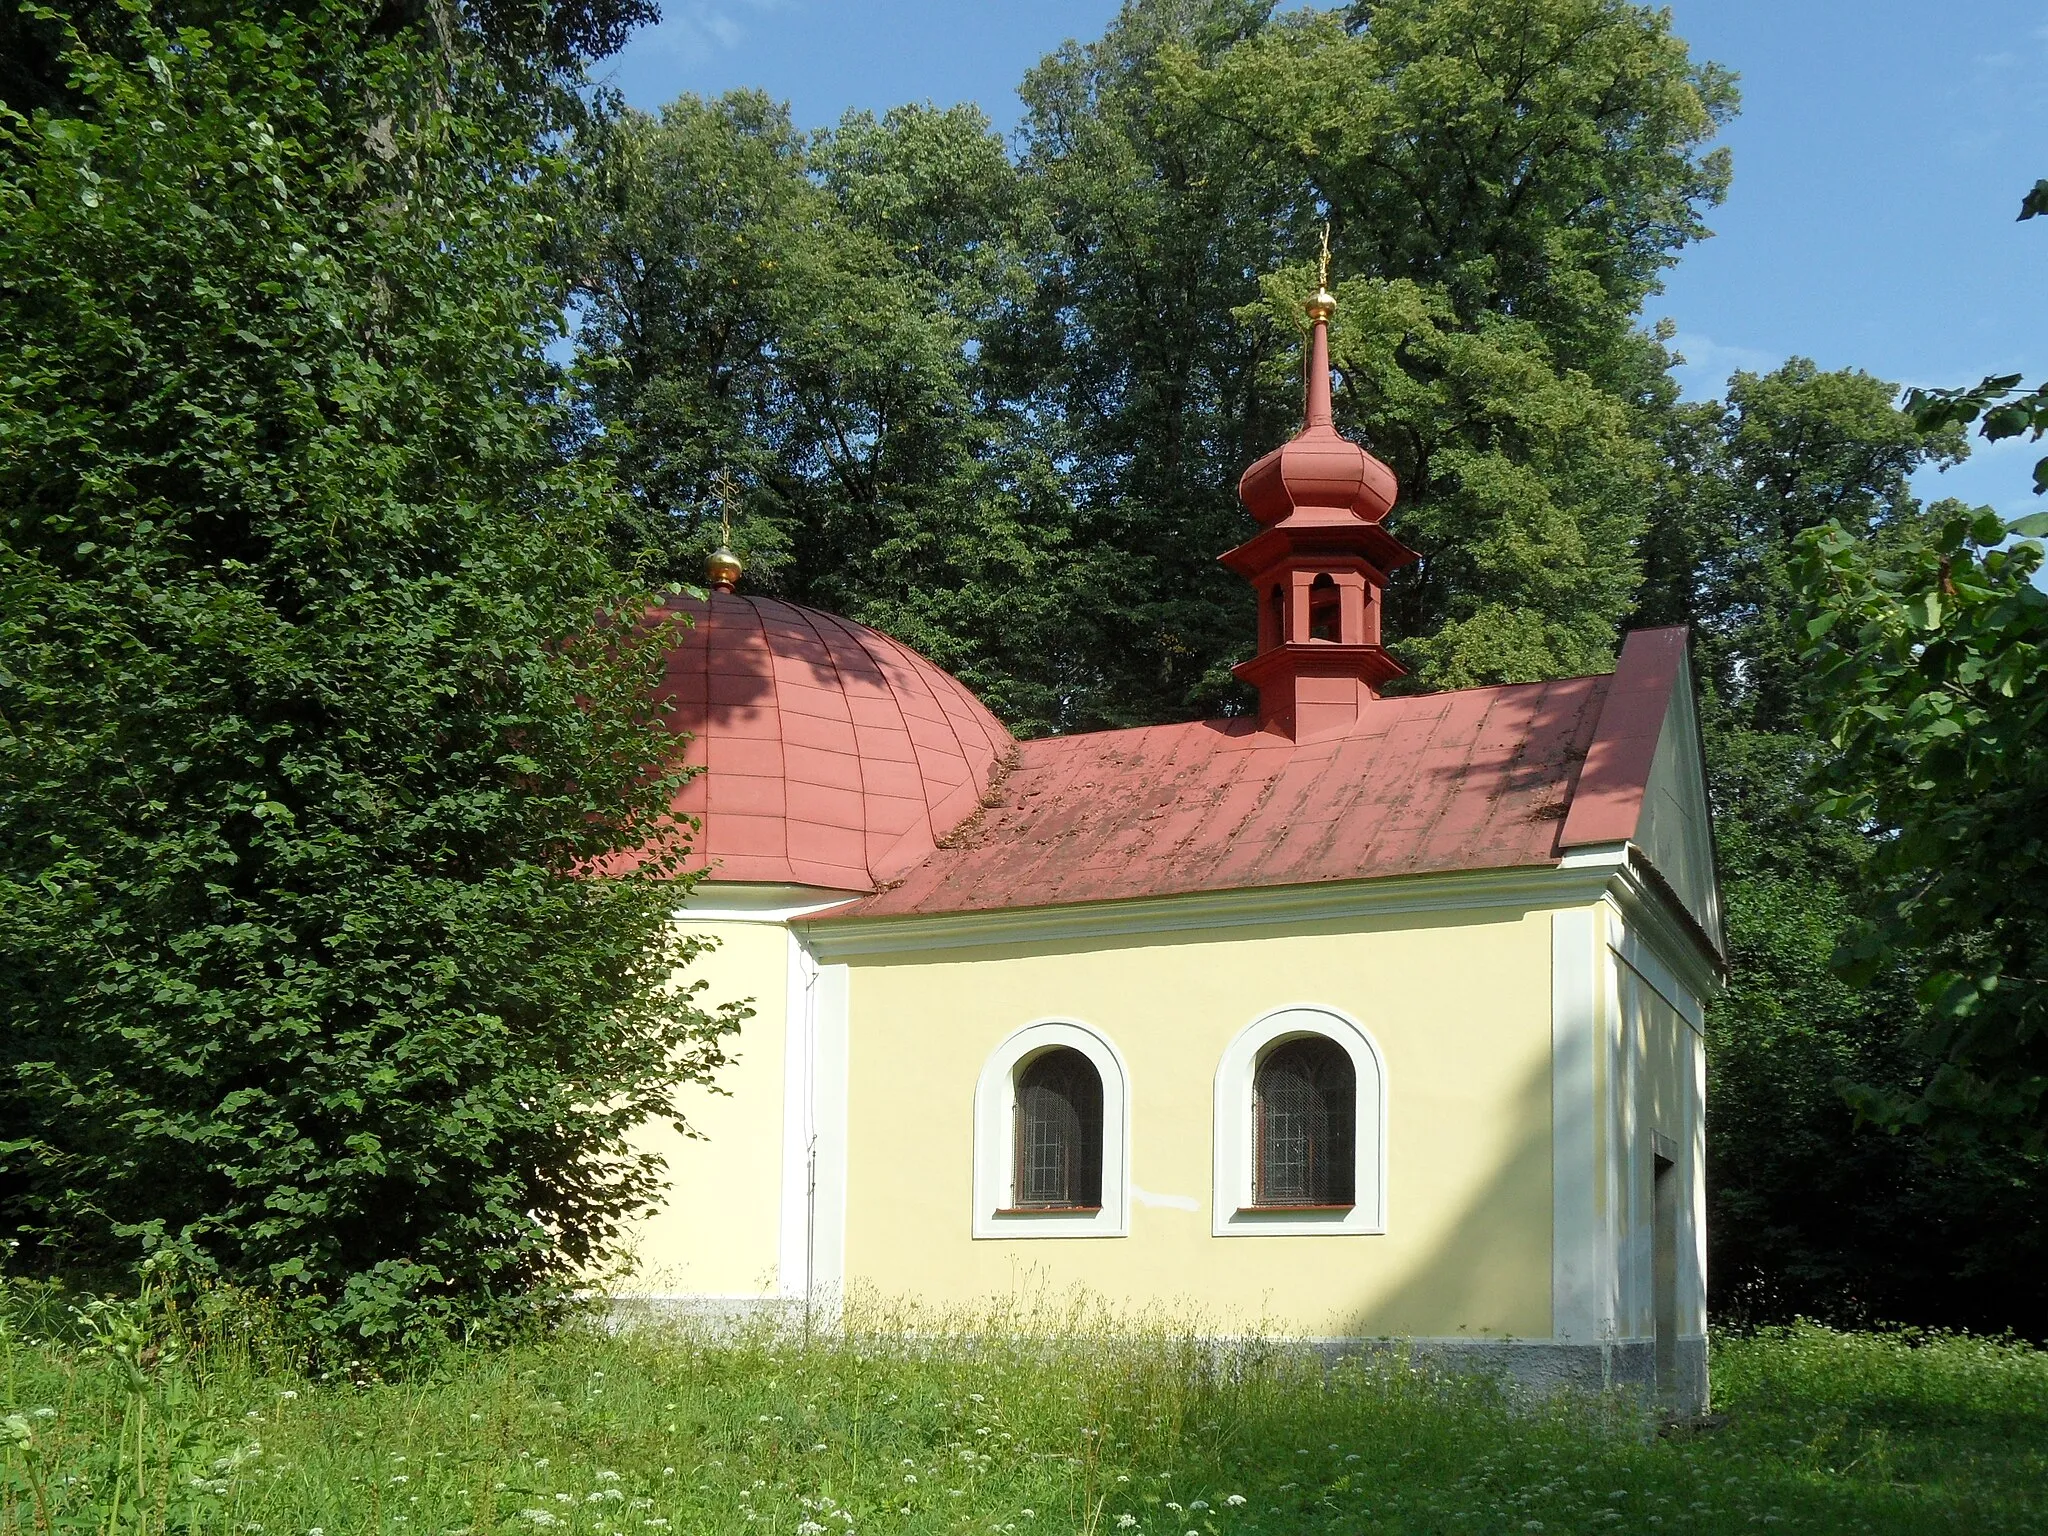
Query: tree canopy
(322, 714)
(1000, 406)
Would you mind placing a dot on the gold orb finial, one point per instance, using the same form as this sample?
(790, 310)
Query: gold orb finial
(722, 569)
(1322, 303)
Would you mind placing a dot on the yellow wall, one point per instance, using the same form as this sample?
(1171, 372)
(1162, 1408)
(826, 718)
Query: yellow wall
(1459, 1005)
(716, 1234)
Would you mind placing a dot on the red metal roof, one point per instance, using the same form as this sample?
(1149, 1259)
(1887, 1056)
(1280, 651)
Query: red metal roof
(1608, 806)
(834, 756)
(1481, 778)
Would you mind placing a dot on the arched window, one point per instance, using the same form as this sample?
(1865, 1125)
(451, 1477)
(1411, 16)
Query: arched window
(1301, 1128)
(1277, 616)
(1325, 609)
(1305, 1124)
(1059, 1133)
(1052, 1138)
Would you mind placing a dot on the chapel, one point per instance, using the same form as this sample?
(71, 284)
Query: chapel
(1374, 1015)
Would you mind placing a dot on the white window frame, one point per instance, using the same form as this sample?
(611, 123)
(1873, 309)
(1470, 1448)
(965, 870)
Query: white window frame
(1231, 1211)
(995, 1137)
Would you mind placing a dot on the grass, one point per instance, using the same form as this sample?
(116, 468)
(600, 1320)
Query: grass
(131, 1426)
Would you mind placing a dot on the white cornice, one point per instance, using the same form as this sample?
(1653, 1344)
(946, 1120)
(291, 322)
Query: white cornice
(733, 902)
(1610, 872)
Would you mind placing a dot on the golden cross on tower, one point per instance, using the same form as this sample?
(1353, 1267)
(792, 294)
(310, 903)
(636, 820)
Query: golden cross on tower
(1322, 303)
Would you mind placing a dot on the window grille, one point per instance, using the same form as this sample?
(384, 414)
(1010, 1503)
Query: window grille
(1305, 1098)
(1059, 1133)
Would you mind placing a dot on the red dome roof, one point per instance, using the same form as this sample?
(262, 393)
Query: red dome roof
(835, 756)
(1318, 469)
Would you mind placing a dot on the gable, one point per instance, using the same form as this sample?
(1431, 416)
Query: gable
(1645, 781)
(1675, 830)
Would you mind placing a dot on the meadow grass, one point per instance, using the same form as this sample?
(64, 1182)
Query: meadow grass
(119, 1421)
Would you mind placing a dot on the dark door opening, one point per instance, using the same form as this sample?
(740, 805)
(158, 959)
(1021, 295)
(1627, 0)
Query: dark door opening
(1664, 1276)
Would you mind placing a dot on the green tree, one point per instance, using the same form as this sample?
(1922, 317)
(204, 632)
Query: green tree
(891, 337)
(795, 331)
(333, 812)
(1509, 179)
(1504, 182)
(1808, 1211)
(1931, 661)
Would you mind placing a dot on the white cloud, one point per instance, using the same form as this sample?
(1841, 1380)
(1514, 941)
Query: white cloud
(1704, 373)
(690, 33)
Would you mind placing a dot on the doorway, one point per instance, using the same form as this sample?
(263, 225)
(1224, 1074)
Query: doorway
(1664, 1276)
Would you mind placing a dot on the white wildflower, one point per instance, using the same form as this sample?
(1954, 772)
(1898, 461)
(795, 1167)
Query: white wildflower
(537, 1517)
(606, 1476)
(1199, 1504)
(1234, 1500)
(1126, 1521)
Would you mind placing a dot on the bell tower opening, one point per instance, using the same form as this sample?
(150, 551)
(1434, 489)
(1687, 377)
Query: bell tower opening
(1325, 615)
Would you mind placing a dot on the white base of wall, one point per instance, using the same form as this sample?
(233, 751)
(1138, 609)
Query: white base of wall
(1541, 1366)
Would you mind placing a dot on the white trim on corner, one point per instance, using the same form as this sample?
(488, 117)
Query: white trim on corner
(811, 1227)
(719, 901)
(833, 1012)
(1576, 1256)
(799, 1130)
(1230, 1196)
(994, 1136)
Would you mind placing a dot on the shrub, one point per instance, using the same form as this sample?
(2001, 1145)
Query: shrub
(313, 741)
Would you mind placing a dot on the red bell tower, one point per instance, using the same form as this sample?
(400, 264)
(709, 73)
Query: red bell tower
(1319, 564)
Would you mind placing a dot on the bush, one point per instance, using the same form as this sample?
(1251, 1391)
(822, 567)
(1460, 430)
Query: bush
(314, 742)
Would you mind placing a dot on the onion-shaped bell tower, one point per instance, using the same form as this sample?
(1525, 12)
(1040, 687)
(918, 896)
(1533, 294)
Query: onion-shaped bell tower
(1319, 564)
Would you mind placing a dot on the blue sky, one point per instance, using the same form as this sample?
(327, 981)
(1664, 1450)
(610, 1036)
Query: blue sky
(1881, 154)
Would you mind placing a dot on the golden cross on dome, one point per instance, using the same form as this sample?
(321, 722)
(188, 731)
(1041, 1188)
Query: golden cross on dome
(723, 491)
(722, 567)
